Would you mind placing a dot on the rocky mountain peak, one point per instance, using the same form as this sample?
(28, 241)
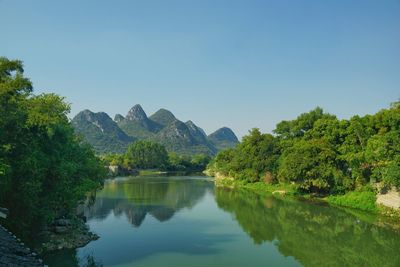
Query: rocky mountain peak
(118, 118)
(96, 118)
(107, 135)
(194, 129)
(136, 113)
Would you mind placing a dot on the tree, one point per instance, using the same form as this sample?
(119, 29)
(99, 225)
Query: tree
(320, 153)
(256, 155)
(313, 166)
(303, 123)
(146, 155)
(44, 170)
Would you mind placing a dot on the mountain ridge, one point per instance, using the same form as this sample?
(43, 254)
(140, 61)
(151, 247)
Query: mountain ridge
(114, 136)
(103, 131)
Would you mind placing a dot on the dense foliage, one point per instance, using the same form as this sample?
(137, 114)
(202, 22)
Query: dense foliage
(142, 155)
(44, 170)
(196, 163)
(320, 153)
(147, 155)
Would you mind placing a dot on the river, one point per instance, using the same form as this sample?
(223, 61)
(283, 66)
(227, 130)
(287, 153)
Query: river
(186, 221)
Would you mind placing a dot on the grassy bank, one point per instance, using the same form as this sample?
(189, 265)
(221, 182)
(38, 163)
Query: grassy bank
(151, 172)
(258, 187)
(156, 172)
(363, 200)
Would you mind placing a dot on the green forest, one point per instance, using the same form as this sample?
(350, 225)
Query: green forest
(320, 154)
(144, 154)
(44, 168)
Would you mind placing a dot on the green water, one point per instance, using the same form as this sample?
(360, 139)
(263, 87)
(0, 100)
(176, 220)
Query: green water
(185, 221)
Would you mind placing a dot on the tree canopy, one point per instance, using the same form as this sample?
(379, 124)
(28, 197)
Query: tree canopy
(44, 168)
(320, 153)
(144, 154)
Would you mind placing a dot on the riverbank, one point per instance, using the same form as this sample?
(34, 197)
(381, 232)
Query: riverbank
(258, 187)
(64, 234)
(115, 171)
(157, 172)
(364, 200)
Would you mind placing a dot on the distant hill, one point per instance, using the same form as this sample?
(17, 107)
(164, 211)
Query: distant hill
(223, 138)
(99, 130)
(163, 117)
(114, 136)
(137, 124)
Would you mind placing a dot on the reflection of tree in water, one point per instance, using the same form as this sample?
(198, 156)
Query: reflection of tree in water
(68, 258)
(315, 235)
(136, 198)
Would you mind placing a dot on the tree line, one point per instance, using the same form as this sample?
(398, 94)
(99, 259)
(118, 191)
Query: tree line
(320, 153)
(144, 154)
(44, 168)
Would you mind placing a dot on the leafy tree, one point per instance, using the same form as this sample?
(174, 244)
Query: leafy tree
(320, 153)
(303, 123)
(146, 155)
(312, 164)
(44, 170)
(196, 163)
(383, 158)
(256, 155)
(200, 161)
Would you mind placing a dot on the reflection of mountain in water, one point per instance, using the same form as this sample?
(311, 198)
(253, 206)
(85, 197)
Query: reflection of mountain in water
(137, 197)
(315, 235)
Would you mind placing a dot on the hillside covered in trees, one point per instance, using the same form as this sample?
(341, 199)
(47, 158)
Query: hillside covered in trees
(318, 153)
(114, 136)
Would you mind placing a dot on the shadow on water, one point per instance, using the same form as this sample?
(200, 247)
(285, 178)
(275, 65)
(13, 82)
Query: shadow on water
(133, 200)
(186, 242)
(315, 235)
(68, 258)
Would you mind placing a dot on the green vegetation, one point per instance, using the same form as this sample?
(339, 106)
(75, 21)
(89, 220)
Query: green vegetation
(44, 168)
(146, 155)
(151, 156)
(150, 172)
(361, 199)
(261, 188)
(196, 163)
(321, 155)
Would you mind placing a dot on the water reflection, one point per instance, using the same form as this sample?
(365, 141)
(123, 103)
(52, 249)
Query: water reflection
(184, 221)
(134, 199)
(137, 197)
(315, 235)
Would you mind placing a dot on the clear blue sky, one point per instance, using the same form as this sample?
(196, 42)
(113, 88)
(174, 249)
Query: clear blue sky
(242, 64)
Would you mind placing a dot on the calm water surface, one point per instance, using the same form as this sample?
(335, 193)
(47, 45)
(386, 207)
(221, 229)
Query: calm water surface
(185, 221)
